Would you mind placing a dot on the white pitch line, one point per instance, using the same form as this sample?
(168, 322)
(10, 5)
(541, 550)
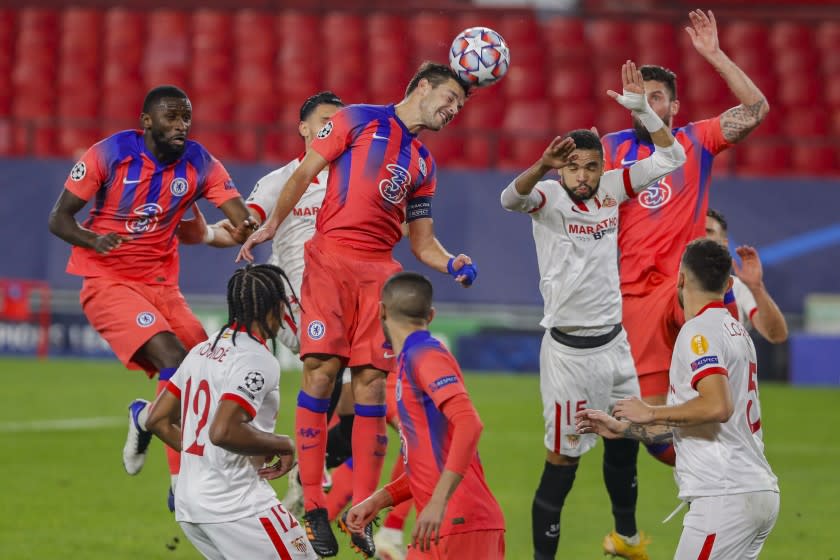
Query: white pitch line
(62, 425)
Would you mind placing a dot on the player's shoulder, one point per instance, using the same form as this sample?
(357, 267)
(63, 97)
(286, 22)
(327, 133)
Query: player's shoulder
(362, 113)
(705, 327)
(615, 139)
(118, 146)
(693, 128)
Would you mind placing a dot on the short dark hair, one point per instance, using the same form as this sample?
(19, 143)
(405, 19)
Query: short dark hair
(253, 293)
(709, 262)
(157, 93)
(437, 74)
(585, 139)
(717, 216)
(409, 295)
(660, 74)
(320, 98)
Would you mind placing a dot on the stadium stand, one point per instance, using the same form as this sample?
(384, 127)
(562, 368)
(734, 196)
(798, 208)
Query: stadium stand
(243, 67)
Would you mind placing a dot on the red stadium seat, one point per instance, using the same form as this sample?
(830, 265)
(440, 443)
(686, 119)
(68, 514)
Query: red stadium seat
(37, 140)
(32, 106)
(799, 90)
(762, 159)
(610, 38)
(294, 26)
(73, 140)
(527, 117)
(517, 27)
(221, 144)
(807, 122)
(612, 117)
(124, 28)
(571, 116)
(250, 110)
(655, 32)
(522, 83)
(481, 150)
(571, 84)
(707, 91)
(82, 19)
(482, 112)
(343, 30)
(428, 28)
(280, 146)
(653, 53)
(724, 163)
(816, 160)
(792, 61)
(39, 20)
(831, 91)
(743, 35)
(122, 106)
(386, 24)
(791, 35)
(212, 106)
(564, 38)
(445, 146)
(211, 28)
(827, 37)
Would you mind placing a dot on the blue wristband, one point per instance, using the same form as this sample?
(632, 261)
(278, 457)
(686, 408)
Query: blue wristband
(468, 270)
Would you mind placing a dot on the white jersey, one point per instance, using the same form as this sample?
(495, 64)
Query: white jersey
(216, 485)
(299, 225)
(577, 242)
(745, 301)
(728, 458)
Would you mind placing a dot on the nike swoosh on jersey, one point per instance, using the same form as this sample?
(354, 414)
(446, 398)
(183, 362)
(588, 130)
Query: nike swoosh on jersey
(377, 137)
(127, 182)
(625, 162)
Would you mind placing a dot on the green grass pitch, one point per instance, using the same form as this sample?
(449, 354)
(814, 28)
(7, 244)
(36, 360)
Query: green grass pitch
(65, 494)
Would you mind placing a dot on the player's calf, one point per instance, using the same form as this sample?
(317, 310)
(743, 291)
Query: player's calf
(555, 484)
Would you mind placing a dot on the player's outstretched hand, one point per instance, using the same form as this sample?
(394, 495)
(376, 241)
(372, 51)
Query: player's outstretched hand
(427, 526)
(361, 514)
(703, 32)
(632, 94)
(750, 272)
(263, 234)
(244, 230)
(462, 269)
(589, 421)
(104, 244)
(633, 409)
(192, 231)
(558, 154)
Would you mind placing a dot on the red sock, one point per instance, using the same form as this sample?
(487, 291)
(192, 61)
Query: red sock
(311, 443)
(370, 441)
(342, 490)
(396, 517)
(173, 458)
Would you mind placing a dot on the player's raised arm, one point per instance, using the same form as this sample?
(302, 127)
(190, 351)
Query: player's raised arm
(668, 154)
(519, 196)
(735, 123)
(768, 318)
(293, 190)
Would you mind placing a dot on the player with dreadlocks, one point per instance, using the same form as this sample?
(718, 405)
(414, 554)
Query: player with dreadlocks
(219, 411)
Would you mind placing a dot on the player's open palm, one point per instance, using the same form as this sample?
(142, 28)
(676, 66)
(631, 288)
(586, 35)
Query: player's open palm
(558, 154)
(750, 271)
(632, 94)
(590, 421)
(703, 32)
(427, 526)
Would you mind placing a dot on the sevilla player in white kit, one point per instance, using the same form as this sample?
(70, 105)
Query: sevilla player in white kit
(585, 359)
(219, 411)
(714, 417)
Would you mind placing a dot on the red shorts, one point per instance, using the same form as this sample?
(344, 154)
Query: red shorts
(128, 314)
(652, 322)
(340, 299)
(487, 545)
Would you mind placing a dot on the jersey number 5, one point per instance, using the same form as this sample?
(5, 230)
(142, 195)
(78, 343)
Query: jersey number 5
(198, 403)
(752, 400)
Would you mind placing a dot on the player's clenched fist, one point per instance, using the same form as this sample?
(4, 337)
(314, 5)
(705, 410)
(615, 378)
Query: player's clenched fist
(104, 244)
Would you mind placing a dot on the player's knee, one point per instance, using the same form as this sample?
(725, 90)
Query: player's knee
(163, 350)
(319, 374)
(369, 386)
(561, 460)
(620, 452)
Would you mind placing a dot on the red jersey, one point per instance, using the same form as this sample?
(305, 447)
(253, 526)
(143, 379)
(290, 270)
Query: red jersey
(381, 175)
(656, 225)
(427, 376)
(139, 197)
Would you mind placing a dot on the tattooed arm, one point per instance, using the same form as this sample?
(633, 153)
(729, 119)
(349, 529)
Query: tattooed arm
(737, 122)
(649, 435)
(599, 422)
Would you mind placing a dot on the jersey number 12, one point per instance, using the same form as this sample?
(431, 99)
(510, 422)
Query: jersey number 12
(198, 403)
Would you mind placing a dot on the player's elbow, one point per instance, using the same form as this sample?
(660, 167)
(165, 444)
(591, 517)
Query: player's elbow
(723, 411)
(763, 110)
(221, 434)
(54, 222)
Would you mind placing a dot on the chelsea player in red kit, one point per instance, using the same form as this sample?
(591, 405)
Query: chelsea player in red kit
(380, 176)
(140, 183)
(458, 517)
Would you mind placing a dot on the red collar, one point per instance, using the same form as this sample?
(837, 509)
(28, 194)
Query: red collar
(235, 327)
(712, 305)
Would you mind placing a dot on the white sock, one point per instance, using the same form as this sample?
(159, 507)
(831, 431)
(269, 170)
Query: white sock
(632, 541)
(391, 535)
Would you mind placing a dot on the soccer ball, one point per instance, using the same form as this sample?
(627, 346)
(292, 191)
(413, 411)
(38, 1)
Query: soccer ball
(479, 56)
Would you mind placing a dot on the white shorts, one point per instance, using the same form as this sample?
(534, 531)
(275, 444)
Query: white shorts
(572, 379)
(272, 534)
(727, 527)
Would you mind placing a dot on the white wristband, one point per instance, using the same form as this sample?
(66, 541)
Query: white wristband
(649, 120)
(209, 235)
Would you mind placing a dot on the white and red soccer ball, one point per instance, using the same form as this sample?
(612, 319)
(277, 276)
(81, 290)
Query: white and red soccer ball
(479, 56)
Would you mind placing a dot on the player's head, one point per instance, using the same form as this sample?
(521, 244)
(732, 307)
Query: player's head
(167, 117)
(438, 93)
(716, 227)
(406, 301)
(257, 301)
(582, 177)
(661, 90)
(704, 270)
(315, 112)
